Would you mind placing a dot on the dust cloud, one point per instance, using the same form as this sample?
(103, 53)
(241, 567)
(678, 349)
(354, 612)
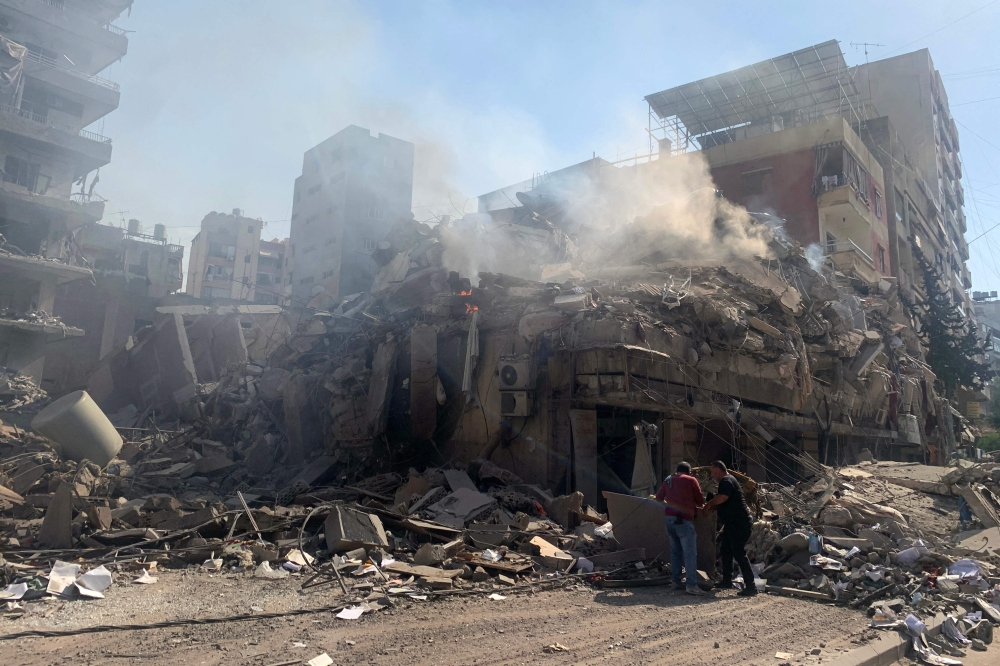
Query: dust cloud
(599, 215)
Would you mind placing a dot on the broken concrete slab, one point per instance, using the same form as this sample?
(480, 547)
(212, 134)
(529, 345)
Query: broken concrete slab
(639, 523)
(347, 529)
(456, 479)
(981, 505)
(461, 506)
(57, 527)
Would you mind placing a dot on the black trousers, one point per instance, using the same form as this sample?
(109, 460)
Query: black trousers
(734, 541)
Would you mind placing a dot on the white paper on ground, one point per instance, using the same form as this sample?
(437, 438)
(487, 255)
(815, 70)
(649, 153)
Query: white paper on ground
(86, 592)
(417, 597)
(96, 580)
(352, 613)
(264, 570)
(491, 555)
(950, 629)
(914, 625)
(14, 591)
(62, 577)
(497, 597)
(584, 565)
(965, 568)
(145, 579)
(291, 566)
(212, 564)
(298, 557)
(320, 660)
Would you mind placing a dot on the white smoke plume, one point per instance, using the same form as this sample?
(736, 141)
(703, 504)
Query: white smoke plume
(650, 213)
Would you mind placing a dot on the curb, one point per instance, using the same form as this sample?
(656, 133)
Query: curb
(886, 649)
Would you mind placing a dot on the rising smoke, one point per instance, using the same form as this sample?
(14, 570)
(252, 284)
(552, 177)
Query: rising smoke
(602, 216)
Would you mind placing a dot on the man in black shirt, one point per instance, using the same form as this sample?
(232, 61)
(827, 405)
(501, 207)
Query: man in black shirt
(736, 526)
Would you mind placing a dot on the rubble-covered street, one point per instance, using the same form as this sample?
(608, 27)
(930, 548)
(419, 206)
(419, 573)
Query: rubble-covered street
(537, 425)
(621, 626)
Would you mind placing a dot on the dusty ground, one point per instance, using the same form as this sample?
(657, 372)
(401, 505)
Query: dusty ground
(643, 626)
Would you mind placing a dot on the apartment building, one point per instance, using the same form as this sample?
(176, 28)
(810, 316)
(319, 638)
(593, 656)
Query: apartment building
(272, 287)
(133, 271)
(353, 188)
(909, 90)
(897, 118)
(52, 54)
(778, 139)
(224, 257)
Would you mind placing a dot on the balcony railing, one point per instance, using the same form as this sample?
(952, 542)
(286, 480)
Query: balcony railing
(76, 13)
(847, 245)
(42, 120)
(55, 64)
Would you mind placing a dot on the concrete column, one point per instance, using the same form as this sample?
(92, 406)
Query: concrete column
(47, 296)
(110, 326)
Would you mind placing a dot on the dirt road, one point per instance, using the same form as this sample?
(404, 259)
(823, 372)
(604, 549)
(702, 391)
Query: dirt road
(643, 626)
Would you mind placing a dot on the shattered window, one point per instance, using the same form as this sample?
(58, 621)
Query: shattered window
(756, 183)
(21, 172)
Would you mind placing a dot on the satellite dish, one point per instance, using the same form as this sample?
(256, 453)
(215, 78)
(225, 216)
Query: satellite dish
(526, 200)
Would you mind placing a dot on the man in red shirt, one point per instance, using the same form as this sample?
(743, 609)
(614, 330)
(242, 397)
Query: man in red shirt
(683, 497)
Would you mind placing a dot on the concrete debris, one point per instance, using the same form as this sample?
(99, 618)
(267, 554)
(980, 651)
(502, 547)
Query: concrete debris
(543, 409)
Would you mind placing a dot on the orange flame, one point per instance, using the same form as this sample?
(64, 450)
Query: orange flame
(470, 308)
(465, 293)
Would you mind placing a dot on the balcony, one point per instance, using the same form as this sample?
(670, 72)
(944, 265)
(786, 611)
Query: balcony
(18, 202)
(107, 42)
(94, 149)
(98, 96)
(850, 258)
(50, 63)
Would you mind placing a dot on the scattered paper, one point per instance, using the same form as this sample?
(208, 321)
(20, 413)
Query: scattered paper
(62, 576)
(417, 597)
(298, 557)
(320, 660)
(291, 566)
(145, 579)
(352, 613)
(94, 581)
(264, 570)
(914, 625)
(783, 655)
(491, 555)
(497, 597)
(212, 564)
(555, 647)
(965, 569)
(14, 591)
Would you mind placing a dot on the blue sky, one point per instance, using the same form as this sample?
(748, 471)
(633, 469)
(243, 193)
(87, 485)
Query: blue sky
(220, 99)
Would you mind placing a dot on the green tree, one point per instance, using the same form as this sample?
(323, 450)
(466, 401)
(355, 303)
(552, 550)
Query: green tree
(951, 340)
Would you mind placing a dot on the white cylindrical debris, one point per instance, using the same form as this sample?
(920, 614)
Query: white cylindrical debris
(80, 429)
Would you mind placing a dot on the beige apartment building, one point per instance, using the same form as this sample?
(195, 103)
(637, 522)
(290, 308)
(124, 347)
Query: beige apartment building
(229, 260)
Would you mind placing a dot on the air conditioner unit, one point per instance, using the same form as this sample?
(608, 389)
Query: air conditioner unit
(516, 403)
(516, 373)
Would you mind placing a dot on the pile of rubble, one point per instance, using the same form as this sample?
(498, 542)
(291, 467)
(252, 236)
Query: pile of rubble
(837, 538)
(19, 392)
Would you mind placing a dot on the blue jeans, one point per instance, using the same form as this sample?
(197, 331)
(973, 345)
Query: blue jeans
(683, 551)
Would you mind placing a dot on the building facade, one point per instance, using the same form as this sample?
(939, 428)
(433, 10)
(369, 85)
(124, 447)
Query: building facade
(230, 261)
(272, 287)
(821, 179)
(132, 271)
(908, 89)
(224, 257)
(353, 188)
(52, 55)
